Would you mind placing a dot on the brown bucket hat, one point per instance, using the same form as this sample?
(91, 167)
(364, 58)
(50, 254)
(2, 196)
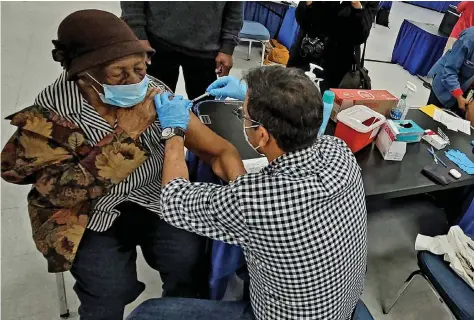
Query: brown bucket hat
(89, 38)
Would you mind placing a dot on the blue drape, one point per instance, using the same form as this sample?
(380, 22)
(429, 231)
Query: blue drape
(387, 5)
(467, 221)
(225, 258)
(441, 6)
(254, 11)
(417, 50)
(289, 29)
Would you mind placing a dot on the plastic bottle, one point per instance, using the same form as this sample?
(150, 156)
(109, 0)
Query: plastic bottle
(328, 101)
(401, 110)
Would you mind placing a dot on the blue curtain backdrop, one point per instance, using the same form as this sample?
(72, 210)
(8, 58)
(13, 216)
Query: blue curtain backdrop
(441, 6)
(387, 5)
(289, 29)
(280, 20)
(259, 12)
(417, 50)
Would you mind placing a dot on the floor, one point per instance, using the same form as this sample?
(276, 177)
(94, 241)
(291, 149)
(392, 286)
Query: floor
(29, 292)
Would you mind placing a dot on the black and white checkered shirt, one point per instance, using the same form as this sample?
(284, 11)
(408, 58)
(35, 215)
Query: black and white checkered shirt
(302, 223)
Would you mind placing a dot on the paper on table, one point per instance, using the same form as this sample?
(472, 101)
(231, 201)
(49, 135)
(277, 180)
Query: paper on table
(429, 109)
(452, 122)
(255, 165)
(464, 126)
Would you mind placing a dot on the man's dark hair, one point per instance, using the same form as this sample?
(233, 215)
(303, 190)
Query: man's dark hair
(287, 103)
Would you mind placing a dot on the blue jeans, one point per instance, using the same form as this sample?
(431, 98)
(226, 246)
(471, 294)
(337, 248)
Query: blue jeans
(192, 309)
(105, 265)
(195, 309)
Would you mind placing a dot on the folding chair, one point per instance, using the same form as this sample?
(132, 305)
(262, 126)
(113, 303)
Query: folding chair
(61, 287)
(254, 32)
(361, 312)
(454, 293)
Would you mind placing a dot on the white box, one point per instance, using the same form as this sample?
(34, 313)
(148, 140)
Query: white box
(434, 139)
(388, 147)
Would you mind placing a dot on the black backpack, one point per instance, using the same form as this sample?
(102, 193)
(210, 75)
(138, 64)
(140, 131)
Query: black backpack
(382, 17)
(358, 77)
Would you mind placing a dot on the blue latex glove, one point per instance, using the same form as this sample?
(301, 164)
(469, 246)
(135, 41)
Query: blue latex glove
(172, 113)
(461, 160)
(228, 87)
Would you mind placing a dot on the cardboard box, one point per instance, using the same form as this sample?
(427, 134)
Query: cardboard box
(387, 144)
(409, 131)
(381, 101)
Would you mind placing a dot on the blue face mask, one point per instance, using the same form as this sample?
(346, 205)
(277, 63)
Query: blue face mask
(123, 96)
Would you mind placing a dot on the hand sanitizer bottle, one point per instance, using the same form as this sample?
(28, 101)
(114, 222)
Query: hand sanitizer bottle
(401, 110)
(312, 76)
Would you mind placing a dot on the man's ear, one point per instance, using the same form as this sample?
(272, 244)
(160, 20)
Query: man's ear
(263, 136)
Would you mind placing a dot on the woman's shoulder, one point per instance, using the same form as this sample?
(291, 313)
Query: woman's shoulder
(62, 96)
(44, 122)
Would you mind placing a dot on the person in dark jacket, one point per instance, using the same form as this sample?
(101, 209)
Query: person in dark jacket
(340, 27)
(199, 37)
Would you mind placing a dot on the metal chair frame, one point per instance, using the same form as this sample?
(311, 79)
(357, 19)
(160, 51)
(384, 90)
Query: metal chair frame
(386, 308)
(62, 299)
(262, 42)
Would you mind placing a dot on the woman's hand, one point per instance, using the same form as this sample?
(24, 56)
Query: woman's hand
(462, 102)
(173, 113)
(137, 119)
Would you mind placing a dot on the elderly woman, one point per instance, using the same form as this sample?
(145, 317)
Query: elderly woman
(91, 146)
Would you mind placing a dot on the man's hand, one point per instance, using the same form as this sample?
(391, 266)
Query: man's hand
(228, 87)
(148, 59)
(356, 4)
(223, 64)
(137, 119)
(462, 102)
(470, 112)
(173, 113)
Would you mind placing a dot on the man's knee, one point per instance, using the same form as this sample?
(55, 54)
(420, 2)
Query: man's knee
(120, 292)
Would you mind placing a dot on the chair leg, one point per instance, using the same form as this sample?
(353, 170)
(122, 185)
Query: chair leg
(386, 308)
(263, 53)
(439, 297)
(249, 51)
(63, 309)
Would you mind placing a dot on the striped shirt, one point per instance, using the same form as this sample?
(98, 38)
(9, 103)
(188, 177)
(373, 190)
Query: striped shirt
(143, 186)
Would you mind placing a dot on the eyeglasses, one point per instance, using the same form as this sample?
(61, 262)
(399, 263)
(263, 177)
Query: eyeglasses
(239, 112)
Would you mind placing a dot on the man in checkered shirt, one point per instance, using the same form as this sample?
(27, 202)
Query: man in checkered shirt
(301, 220)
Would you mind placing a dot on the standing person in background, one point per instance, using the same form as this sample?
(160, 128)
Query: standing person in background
(337, 30)
(198, 36)
(453, 78)
(466, 9)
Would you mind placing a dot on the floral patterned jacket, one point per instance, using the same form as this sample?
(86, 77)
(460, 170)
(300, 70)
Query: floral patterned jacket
(68, 175)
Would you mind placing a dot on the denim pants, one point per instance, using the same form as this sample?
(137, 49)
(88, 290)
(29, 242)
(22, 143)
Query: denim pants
(192, 309)
(195, 309)
(105, 265)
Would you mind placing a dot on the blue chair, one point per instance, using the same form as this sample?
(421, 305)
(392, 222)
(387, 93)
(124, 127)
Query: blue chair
(361, 312)
(454, 293)
(254, 32)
